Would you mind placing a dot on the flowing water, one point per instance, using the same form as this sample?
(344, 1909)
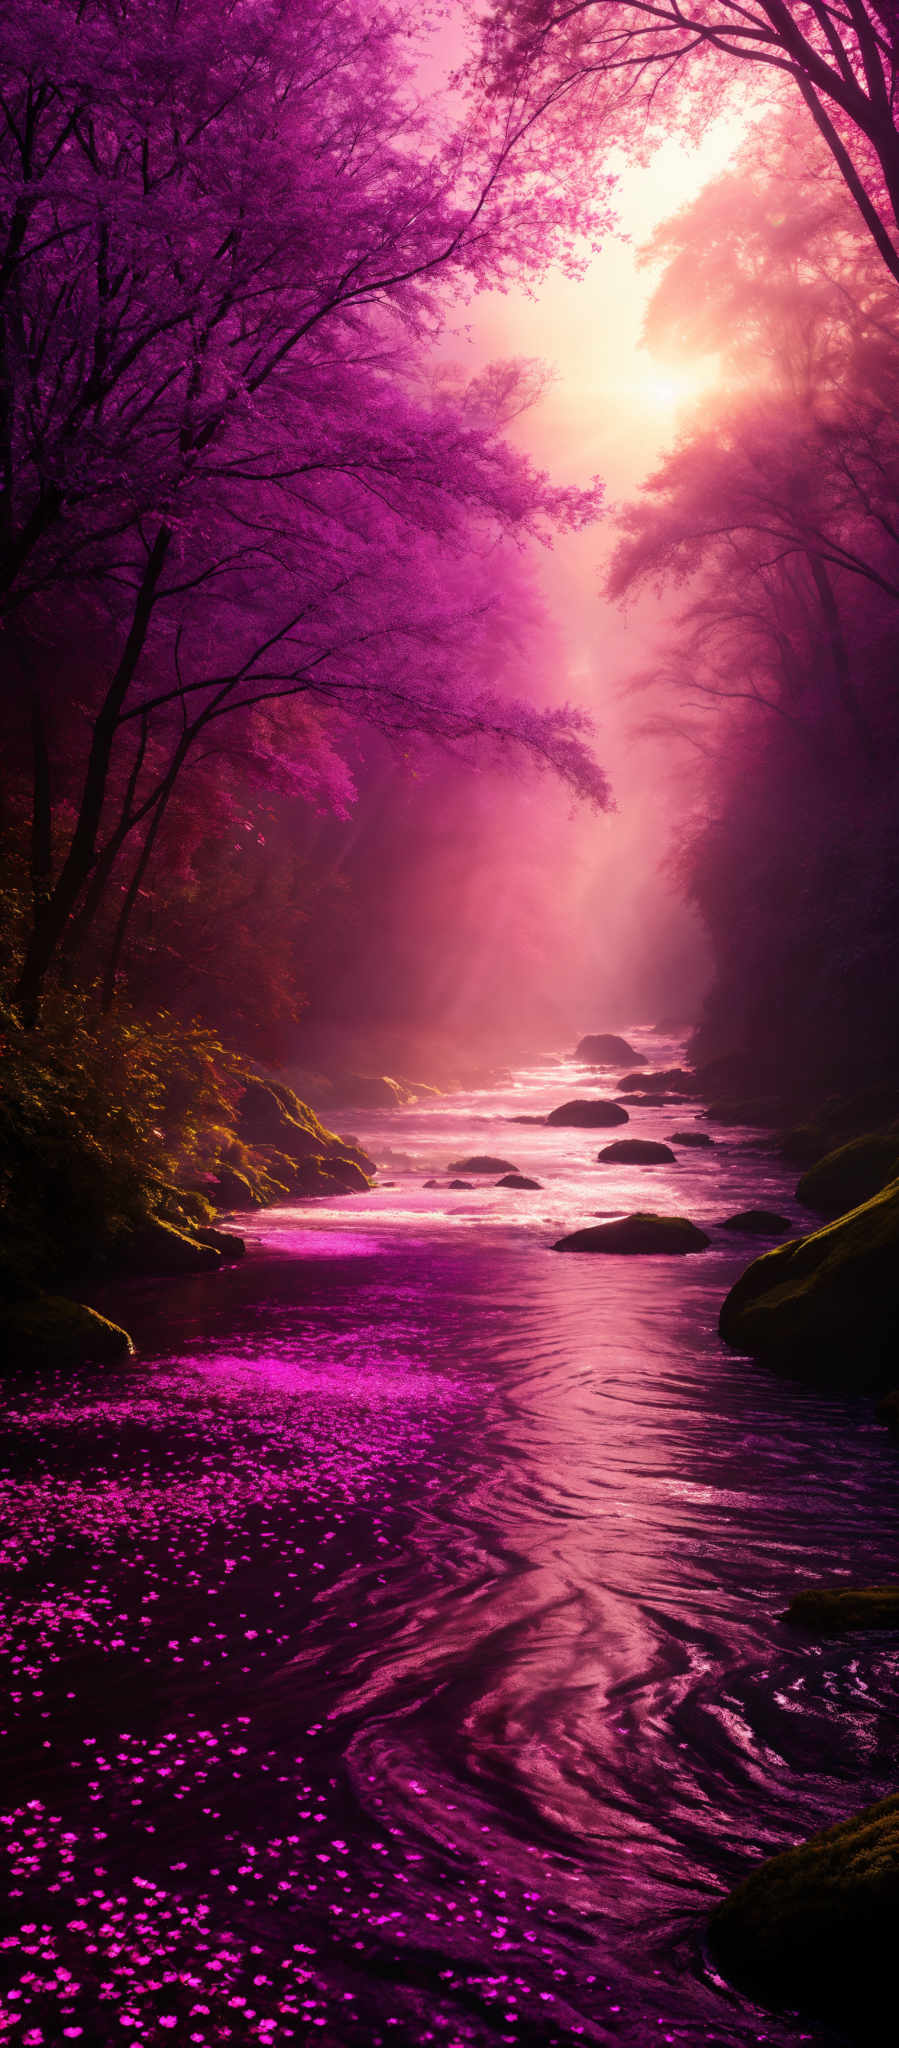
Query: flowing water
(395, 1646)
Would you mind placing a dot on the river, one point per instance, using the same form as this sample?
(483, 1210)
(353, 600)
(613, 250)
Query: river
(394, 1643)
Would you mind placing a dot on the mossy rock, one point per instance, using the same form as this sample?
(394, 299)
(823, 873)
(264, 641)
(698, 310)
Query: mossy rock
(159, 1249)
(825, 1308)
(757, 1223)
(587, 1115)
(642, 1232)
(697, 1138)
(481, 1162)
(851, 1174)
(839, 1119)
(636, 1152)
(606, 1049)
(829, 1610)
(815, 1927)
(330, 1176)
(48, 1330)
(238, 1191)
(518, 1180)
(225, 1242)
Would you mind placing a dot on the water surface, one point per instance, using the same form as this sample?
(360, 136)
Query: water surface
(394, 1645)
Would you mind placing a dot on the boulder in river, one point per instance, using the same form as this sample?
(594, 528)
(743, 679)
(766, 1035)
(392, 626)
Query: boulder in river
(666, 1078)
(481, 1162)
(815, 1927)
(851, 1174)
(825, 1308)
(459, 1184)
(636, 1152)
(641, 1232)
(525, 1119)
(518, 1180)
(606, 1049)
(691, 1138)
(757, 1223)
(594, 1115)
(829, 1610)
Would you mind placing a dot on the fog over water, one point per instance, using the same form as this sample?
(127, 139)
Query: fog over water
(405, 1620)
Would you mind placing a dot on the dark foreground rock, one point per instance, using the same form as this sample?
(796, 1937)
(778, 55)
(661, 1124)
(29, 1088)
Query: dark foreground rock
(47, 1330)
(691, 1138)
(636, 1152)
(816, 1926)
(825, 1308)
(829, 1610)
(518, 1180)
(638, 1233)
(757, 1223)
(851, 1174)
(606, 1049)
(481, 1162)
(583, 1115)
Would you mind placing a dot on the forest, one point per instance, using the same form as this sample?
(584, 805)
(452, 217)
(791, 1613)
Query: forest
(387, 698)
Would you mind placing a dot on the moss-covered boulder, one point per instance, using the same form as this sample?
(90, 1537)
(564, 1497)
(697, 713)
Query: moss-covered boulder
(697, 1138)
(158, 1248)
(851, 1174)
(588, 1115)
(606, 1049)
(636, 1152)
(825, 1308)
(757, 1223)
(641, 1232)
(815, 1927)
(518, 1180)
(48, 1330)
(273, 1118)
(831, 1610)
(481, 1162)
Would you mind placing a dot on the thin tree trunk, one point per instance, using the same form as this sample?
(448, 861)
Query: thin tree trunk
(41, 811)
(53, 921)
(839, 655)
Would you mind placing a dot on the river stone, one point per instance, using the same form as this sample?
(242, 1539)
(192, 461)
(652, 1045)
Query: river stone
(636, 1152)
(815, 1927)
(664, 1078)
(481, 1163)
(641, 1232)
(588, 1115)
(458, 1184)
(757, 1223)
(825, 1308)
(518, 1180)
(606, 1049)
(691, 1138)
(828, 1610)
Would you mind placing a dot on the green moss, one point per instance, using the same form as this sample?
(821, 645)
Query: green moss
(828, 1610)
(48, 1330)
(642, 1232)
(851, 1174)
(825, 1307)
(160, 1248)
(815, 1926)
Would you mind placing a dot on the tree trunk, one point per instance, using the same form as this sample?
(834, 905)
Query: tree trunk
(52, 923)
